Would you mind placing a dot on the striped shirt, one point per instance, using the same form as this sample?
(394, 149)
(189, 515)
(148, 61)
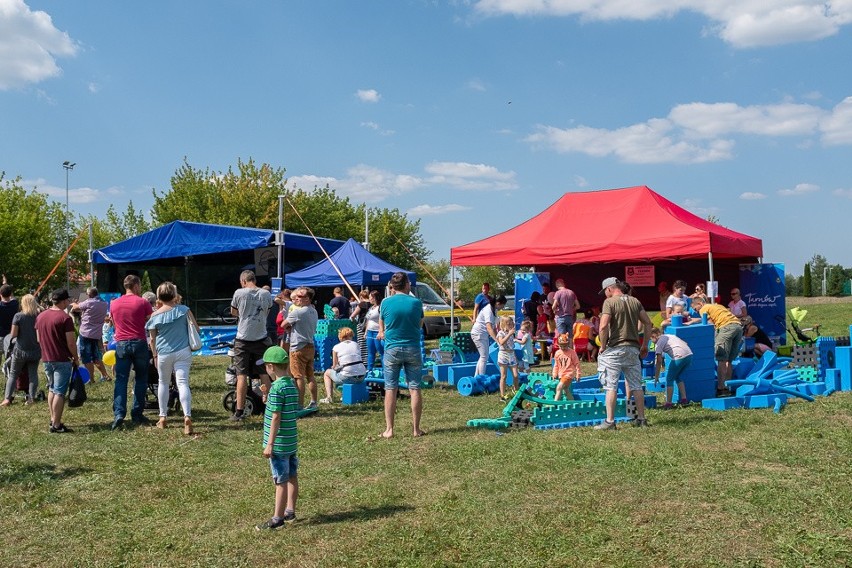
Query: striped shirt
(283, 398)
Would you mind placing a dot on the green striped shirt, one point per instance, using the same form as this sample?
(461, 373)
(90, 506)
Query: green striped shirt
(284, 399)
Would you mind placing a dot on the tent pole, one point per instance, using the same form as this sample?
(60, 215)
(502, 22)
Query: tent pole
(712, 279)
(452, 303)
(280, 239)
(92, 254)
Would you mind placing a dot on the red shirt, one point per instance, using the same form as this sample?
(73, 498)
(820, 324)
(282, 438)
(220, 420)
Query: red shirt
(51, 326)
(129, 314)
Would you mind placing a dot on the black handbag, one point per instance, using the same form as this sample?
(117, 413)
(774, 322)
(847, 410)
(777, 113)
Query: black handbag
(76, 390)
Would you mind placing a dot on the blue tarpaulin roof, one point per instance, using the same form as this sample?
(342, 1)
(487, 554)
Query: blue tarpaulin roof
(357, 265)
(184, 238)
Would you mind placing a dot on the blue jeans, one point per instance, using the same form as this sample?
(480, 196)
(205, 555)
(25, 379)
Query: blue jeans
(129, 353)
(565, 324)
(408, 357)
(58, 376)
(374, 345)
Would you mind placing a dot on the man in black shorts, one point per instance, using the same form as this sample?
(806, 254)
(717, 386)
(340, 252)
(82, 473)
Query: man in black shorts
(250, 305)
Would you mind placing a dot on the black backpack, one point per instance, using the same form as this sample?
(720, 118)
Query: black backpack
(76, 390)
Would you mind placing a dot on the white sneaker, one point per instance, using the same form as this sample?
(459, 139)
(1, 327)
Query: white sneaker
(323, 401)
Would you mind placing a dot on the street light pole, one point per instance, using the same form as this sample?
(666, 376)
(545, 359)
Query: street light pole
(68, 167)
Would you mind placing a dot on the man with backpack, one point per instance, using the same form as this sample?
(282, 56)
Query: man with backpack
(55, 332)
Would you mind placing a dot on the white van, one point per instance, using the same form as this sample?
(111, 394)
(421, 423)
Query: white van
(436, 321)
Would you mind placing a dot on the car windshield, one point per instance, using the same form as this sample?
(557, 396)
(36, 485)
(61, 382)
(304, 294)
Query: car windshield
(427, 295)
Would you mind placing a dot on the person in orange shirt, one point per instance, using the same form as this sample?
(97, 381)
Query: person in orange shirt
(566, 366)
(729, 335)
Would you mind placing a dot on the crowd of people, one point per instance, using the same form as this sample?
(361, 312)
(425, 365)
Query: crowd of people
(275, 342)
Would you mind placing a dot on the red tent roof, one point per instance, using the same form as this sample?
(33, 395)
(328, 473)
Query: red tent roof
(632, 224)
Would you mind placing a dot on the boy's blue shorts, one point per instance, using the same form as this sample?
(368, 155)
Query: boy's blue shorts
(283, 468)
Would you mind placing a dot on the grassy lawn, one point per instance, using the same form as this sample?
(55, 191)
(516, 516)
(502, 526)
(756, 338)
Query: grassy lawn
(699, 488)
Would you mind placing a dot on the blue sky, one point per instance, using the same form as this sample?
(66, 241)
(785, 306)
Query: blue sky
(470, 115)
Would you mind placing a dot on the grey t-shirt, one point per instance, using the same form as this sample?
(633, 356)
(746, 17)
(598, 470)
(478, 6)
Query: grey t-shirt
(252, 304)
(304, 322)
(26, 341)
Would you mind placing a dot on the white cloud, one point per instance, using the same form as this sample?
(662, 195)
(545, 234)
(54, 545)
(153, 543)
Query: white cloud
(580, 181)
(847, 193)
(29, 45)
(368, 95)
(700, 132)
(374, 126)
(94, 88)
(463, 175)
(742, 23)
(837, 126)
(697, 207)
(800, 189)
(368, 183)
(425, 210)
(475, 85)
(76, 195)
(752, 196)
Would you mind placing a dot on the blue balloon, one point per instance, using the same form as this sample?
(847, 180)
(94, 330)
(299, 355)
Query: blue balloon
(111, 345)
(83, 372)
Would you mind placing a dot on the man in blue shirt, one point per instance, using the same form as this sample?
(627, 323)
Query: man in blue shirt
(400, 322)
(482, 299)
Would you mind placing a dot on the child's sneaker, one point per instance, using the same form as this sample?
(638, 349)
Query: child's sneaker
(605, 426)
(312, 405)
(325, 401)
(271, 524)
(505, 398)
(668, 406)
(289, 518)
(683, 402)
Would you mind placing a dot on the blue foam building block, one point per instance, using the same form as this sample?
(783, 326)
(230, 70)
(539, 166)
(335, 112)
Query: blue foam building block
(456, 372)
(355, 393)
(764, 400)
(832, 380)
(725, 403)
(843, 361)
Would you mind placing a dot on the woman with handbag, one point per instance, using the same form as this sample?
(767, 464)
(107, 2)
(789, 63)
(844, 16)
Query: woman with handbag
(171, 328)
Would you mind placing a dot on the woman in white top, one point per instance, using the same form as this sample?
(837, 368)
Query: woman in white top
(483, 328)
(736, 305)
(371, 325)
(347, 367)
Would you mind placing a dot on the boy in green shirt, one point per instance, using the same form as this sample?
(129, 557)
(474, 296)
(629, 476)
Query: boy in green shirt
(280, 438)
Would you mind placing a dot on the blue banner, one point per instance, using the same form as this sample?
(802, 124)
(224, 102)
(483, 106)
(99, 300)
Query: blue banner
(525, 284)
(762, 289)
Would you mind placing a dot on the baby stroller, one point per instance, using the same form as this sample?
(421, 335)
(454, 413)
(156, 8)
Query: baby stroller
(22, 381)
(799, 335)
(254, 397)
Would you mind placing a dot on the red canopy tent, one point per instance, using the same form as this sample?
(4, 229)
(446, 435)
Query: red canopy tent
(617, 226)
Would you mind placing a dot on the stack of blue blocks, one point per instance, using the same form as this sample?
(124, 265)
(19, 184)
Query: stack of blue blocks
(700, 377)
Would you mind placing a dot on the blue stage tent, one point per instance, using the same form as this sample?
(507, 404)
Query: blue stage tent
(358, 266)
(185, 239)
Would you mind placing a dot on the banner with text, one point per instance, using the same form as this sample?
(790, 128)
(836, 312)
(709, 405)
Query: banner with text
(762, 288)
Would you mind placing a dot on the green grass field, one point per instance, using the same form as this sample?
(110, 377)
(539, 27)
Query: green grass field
(699, 488)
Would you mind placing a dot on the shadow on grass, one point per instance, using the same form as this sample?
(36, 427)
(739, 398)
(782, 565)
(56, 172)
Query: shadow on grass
(359, 514)
(36, 474)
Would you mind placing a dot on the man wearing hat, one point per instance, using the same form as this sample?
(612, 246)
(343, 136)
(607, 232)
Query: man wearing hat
(55, 333)
(620, 349)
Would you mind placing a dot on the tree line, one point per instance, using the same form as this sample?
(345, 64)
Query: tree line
(810, 283)
(35, 231)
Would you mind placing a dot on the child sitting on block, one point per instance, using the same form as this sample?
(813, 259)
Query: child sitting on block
(280, 438)
(566, 366)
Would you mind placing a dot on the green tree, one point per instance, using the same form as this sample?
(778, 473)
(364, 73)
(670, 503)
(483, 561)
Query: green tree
(793, 285)
(440, 270)
(32, 236)
(807, 282)
(818, 265)
(836, 279)
(248, 197)
(501, 278)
